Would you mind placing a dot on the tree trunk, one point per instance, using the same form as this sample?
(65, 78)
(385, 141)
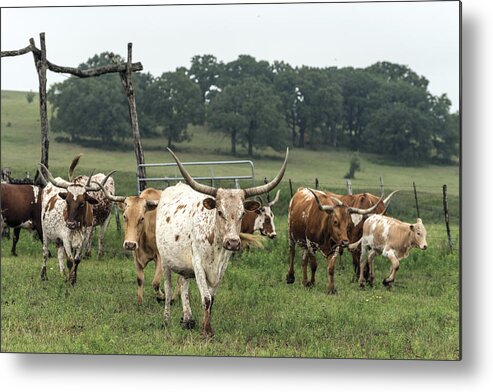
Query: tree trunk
(301, 141)
(169, 141)
(233, 142)
(250, 148)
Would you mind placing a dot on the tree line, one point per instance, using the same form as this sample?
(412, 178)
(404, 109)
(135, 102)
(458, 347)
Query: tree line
(385, 108)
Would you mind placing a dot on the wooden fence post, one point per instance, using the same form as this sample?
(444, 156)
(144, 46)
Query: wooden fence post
(445, 211)
(41, 67)
(416, 199)
(291, 187)
(382, 189)
(349, 189)
(126, 78)
(316, 183)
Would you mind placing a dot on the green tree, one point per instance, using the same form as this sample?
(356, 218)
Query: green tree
(205, 71)
(176, 101)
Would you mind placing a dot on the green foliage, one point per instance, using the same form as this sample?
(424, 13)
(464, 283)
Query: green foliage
(30, 97)
(175, 102)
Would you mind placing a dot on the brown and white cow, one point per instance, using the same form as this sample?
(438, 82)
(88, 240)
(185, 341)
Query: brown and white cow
(196, 236)
(391, 238)
(67, 219)
(102, 210)
(21, 208)
(139, 215)
(262, 219)
(318, 221)
(355, 227)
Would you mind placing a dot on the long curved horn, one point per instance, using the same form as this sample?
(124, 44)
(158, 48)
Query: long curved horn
(71, 169)
(103, 183)
(354, 210)
(388, 197)
(109, 196)
(276, 199)
(320, 206)
(258, 190)
(338, 202)
(57, 182)
(205, 189)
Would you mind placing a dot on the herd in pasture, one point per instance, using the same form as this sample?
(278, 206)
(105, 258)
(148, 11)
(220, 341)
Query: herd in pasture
(192, 230)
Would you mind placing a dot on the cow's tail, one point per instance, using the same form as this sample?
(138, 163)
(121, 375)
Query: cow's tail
(251, 241)
(355, 245)
(71, 169)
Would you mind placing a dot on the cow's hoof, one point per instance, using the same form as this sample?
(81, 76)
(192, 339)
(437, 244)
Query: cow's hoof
(289, 279)
(386, 282)
(362, 286)
(309, 285)
(159, 300)
(188, 324)
(332, 292)
(14, 254)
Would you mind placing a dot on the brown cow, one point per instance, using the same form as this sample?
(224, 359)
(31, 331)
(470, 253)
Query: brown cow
(262, 219)
(101, 210)
(391, 238)
(318, 221)
(139, 214)
(21, 208)
(66, 220)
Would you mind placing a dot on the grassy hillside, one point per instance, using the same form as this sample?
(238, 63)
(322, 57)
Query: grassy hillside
(21, 151)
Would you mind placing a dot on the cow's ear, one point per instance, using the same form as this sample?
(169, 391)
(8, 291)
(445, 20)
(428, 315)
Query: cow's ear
(90, 199)
(63, 195)
(251, 205)
(411, 227)
(150, 205)
(209, 203)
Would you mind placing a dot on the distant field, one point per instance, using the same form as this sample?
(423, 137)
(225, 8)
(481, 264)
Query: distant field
(21, 151)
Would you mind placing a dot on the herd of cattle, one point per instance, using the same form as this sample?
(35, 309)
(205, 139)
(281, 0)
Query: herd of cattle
(193, 229)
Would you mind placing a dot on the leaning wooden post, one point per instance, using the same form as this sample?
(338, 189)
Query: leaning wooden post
(382, 189)
(291, 188)
(268, 196)
(41, 67)
(126, 78)
(316, 183)
(349, 188)
(445, 211)
(416, 199)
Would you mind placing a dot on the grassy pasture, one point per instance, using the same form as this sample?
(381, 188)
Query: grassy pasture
(255, 313)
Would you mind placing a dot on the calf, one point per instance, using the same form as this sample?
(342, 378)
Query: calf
(391, 238)
(66, 220)
(139, 215)
(262, 219)
(21, 208)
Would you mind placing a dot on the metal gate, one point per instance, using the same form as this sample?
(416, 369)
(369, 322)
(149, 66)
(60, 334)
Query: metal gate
(212, 177)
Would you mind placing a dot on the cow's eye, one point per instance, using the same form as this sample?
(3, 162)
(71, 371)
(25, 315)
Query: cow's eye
(220, 213)
(81, 205)
(336, 223)
(141, 220)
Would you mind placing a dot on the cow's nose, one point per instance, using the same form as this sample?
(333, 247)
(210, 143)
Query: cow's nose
(71, 225)
(272, 236)
(130, 245)
(425, 247)
(345, 243)
(232, 244)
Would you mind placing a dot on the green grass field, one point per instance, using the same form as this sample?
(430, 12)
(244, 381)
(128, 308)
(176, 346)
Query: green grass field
(255, 313)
